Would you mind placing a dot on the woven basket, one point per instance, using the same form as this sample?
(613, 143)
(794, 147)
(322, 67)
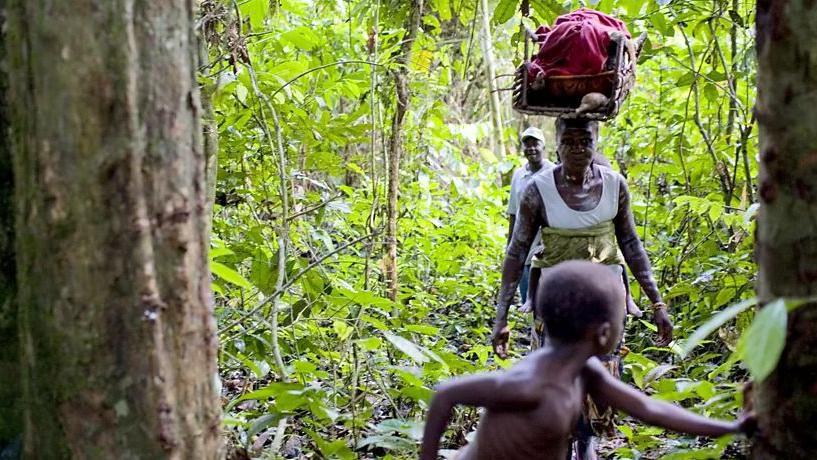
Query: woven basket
(560, 96)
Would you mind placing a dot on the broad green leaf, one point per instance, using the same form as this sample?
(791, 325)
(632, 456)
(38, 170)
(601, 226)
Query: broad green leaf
(387, 442)
(365, 298)
(711, 93)
(421, 60)
(634, 7)
(270, 391)
(241, 93)
(262, 422)
(717, 320)
(407, 347)
(302, 37)
(219, 252)
(444, 9)
(724, 296)
(504, 11)
(228, 274)
(411, 428)
(423, 329)
(342, 329)
(765, 339)
(660, 22)
(255, 10)
(686, 79)
(331, 449)
(369, 343)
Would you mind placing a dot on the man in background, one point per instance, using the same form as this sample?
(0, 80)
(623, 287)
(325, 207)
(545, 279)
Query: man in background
(533, 148)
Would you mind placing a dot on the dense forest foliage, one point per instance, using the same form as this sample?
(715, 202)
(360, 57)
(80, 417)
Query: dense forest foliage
(315, 358)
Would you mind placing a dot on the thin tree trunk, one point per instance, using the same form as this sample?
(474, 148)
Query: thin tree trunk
(11, 422)
(490, 75)
(113, 280)
(786, 110)
(210, 133)
(401, 83)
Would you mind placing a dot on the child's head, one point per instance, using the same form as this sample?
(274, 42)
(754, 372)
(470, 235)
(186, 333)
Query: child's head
(582, 301)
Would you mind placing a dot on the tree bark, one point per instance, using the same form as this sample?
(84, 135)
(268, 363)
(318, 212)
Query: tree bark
(401, 83)
(119, 343)
(11, 423)
(786, 109)
(210, 135)
(490, 75)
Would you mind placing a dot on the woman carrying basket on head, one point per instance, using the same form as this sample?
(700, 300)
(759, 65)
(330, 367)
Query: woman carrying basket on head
(583, 212)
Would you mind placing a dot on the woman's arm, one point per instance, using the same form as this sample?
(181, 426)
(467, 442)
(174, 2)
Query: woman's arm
(636, 257)
(528, 221)
(631, 247)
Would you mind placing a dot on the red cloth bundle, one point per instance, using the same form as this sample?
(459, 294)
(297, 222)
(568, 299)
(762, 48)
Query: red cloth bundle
(576, 45)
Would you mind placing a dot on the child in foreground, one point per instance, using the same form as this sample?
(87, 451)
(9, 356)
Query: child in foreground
(532, 408)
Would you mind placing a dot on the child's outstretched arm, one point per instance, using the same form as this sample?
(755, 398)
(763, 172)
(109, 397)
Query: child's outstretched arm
(604, 388)
(505, 391)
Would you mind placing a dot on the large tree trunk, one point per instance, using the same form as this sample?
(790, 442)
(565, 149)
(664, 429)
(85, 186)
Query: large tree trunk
(10, 409)
(119, 343)
(786, 402)
(401, 83)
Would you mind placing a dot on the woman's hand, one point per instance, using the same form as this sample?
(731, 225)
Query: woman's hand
(663, 323)
(499, 338)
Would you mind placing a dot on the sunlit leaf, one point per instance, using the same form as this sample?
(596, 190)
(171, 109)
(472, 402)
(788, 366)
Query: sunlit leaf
(228, 274)
(256, 11)
(504, 11)
(717, 320)
(407, 347)
(765, 339)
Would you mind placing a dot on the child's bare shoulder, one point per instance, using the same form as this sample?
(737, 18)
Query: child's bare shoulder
(529, 377)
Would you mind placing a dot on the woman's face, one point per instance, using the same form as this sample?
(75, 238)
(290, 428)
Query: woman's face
(576, 147)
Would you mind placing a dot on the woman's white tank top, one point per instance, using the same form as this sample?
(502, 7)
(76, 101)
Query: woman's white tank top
(560, 215)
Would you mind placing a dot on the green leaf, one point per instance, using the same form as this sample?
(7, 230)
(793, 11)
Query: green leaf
(272, 390)
(634, 7)
(262, 422)
(228, 274)
(736, 17)
(302, 37)
(444, 9)
(685, 79)
(331, 449)
(255, 10)
(423, 329)
(717, 76)
(342, 329)
(369, 344)
(241, 93)
(660, 22)
(718, 320)
(410, 428)
(764, 341)
(219, 252)
(407, 347)
(504, 11)
(711, 93)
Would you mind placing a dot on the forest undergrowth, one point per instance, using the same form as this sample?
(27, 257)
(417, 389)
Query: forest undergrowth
(316, 361)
